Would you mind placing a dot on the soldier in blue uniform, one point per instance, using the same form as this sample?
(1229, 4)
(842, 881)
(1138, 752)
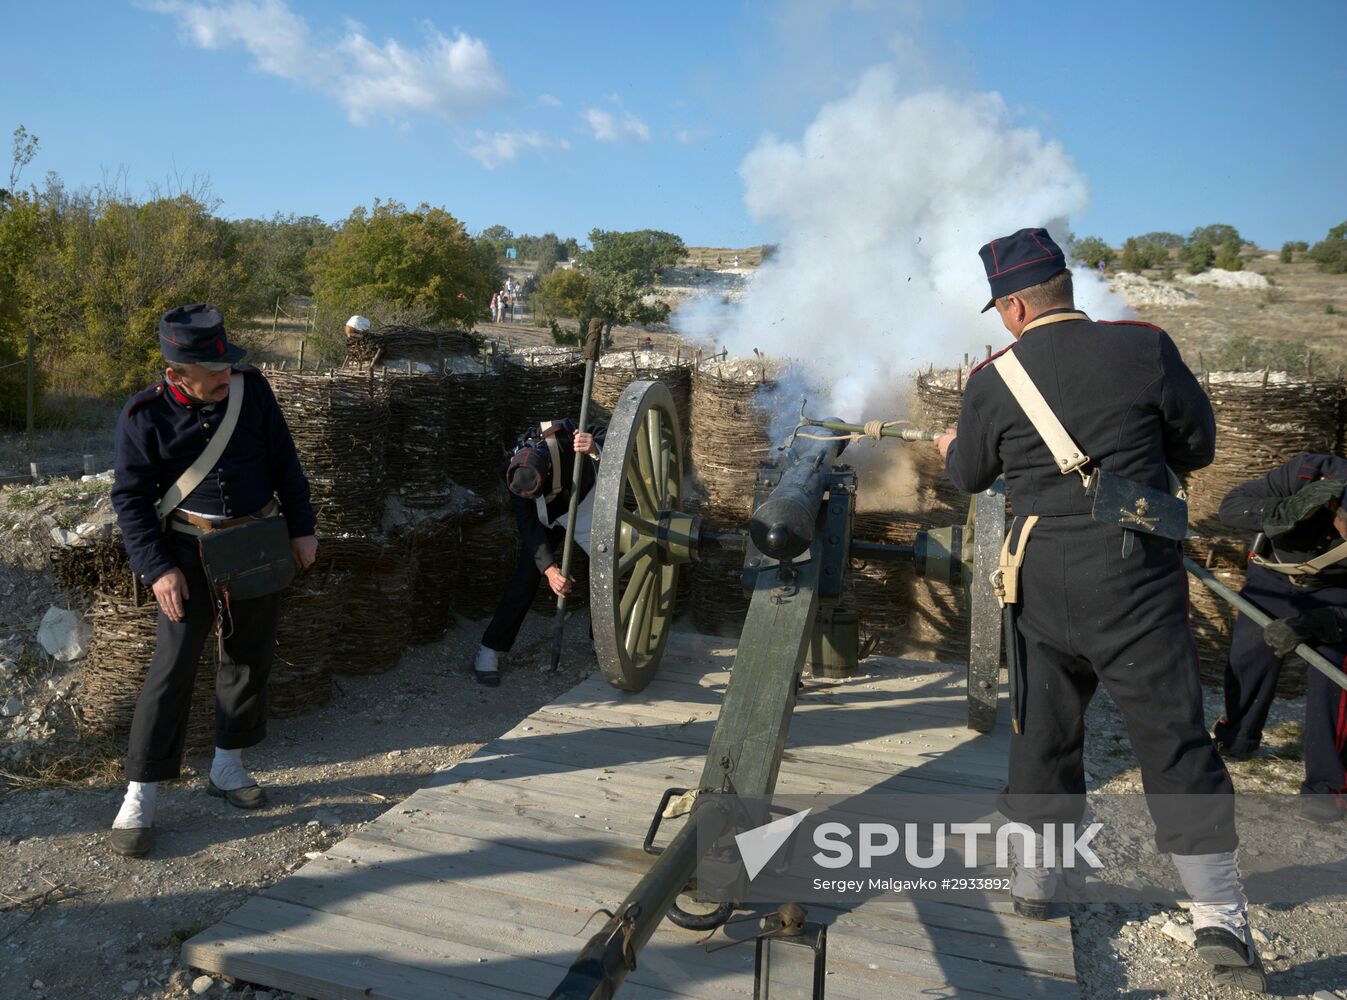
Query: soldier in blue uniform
(539, 477)
(160, 434)
(1299, 576)
(1100, 602)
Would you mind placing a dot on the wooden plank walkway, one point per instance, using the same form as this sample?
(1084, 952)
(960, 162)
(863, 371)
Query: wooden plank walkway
(477, 886)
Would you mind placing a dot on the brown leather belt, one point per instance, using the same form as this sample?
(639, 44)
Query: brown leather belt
(193, 524)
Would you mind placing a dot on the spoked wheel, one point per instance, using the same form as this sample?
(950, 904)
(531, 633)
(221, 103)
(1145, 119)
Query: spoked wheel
(639, 536)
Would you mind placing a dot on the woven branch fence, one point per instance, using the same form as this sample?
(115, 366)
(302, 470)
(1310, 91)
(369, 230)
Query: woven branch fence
(340, 423)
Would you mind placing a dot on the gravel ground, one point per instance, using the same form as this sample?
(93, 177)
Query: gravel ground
(78, 922)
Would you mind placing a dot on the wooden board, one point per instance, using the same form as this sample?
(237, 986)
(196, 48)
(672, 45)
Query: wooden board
(480, 884)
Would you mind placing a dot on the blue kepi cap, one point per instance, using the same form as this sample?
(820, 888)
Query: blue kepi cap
(195, 335)
(1025, 258)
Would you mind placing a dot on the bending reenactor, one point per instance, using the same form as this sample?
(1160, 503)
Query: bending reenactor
(201, 458)
(1298, 575)
(539, 476)
(1083, 418)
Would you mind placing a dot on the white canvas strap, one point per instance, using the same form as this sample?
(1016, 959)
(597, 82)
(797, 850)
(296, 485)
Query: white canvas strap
(199, 469)
(1309, 567)
(1065, 452)
(549, 434)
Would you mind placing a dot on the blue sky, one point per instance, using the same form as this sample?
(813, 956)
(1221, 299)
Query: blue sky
(566, 117)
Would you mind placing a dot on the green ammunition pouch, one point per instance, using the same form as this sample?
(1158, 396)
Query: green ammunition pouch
(248, 560)
(1129, 504)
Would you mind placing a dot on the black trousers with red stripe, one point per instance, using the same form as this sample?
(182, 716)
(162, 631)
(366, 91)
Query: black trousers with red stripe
(1090, 615)
(1251, 681)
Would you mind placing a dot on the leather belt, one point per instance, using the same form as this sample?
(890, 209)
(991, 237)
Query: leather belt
(195, 524)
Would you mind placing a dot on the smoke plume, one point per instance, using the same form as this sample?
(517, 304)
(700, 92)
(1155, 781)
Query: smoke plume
(878, 210)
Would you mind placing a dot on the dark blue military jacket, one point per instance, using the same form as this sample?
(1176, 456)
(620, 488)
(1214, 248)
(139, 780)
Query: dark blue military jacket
(1314, 535)
(532, 532)
(1122, 392)
(160, 433)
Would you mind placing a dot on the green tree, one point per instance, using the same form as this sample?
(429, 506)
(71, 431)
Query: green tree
(1219, 235)
(18, 239)
(622, 269)
(548, 253)
(497, 232)
(1300, 246)
(1330, 253)
(1170, 241)
(1132, 257)
(399, 259)
(275, 253)
(562, 292)
(1092, 251)
(1288, 252)
(1197, 255)
(1228, 259)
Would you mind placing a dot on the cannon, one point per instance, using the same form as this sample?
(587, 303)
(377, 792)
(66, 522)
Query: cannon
(797, 548)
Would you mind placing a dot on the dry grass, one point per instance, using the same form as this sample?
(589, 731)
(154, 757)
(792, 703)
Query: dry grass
(1293, 310)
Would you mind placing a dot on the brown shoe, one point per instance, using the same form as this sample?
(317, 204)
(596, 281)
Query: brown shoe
(133, 843)
(248, 797)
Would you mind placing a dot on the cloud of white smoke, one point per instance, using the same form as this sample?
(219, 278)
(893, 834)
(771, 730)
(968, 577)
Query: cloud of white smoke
(878, 210)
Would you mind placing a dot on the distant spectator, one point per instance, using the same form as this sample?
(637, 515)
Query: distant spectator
(357, 325)
(495, 307)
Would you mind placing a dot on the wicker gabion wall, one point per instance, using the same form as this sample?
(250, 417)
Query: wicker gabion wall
(544, 384)
(486, 554)
(433, 538)
(1262, 420)
(418, 437)
(406, 343)
(310, 616)
(475, 423)
(619, 369)
(938, 397)
(376, 601)
(731, 423)
(121, 646)
(339, 421)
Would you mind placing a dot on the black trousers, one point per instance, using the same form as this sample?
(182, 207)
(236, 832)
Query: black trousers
(159, 726)
(1089, 615)
(1251, 674)
(514, 604)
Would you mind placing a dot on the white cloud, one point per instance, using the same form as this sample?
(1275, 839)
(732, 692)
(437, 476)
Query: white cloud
(491, 149)
(548, 101)
(608, 127)
(450, 78)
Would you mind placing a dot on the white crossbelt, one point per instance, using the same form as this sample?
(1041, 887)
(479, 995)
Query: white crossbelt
(198, 470)
(1065, 452)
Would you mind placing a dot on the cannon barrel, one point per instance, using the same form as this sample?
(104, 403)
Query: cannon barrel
(783, 525)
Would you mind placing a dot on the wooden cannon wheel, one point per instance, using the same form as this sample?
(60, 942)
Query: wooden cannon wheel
(639, 535)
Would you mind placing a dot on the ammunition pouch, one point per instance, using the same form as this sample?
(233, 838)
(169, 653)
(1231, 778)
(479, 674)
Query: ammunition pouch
(248, 560)
(1128, 504)
(1006, 578)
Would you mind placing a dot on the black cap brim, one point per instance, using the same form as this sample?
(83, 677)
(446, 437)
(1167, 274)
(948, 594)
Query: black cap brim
(990, 303)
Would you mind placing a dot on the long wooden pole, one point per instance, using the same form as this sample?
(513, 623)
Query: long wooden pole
(1262, 619)
(591, 356)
